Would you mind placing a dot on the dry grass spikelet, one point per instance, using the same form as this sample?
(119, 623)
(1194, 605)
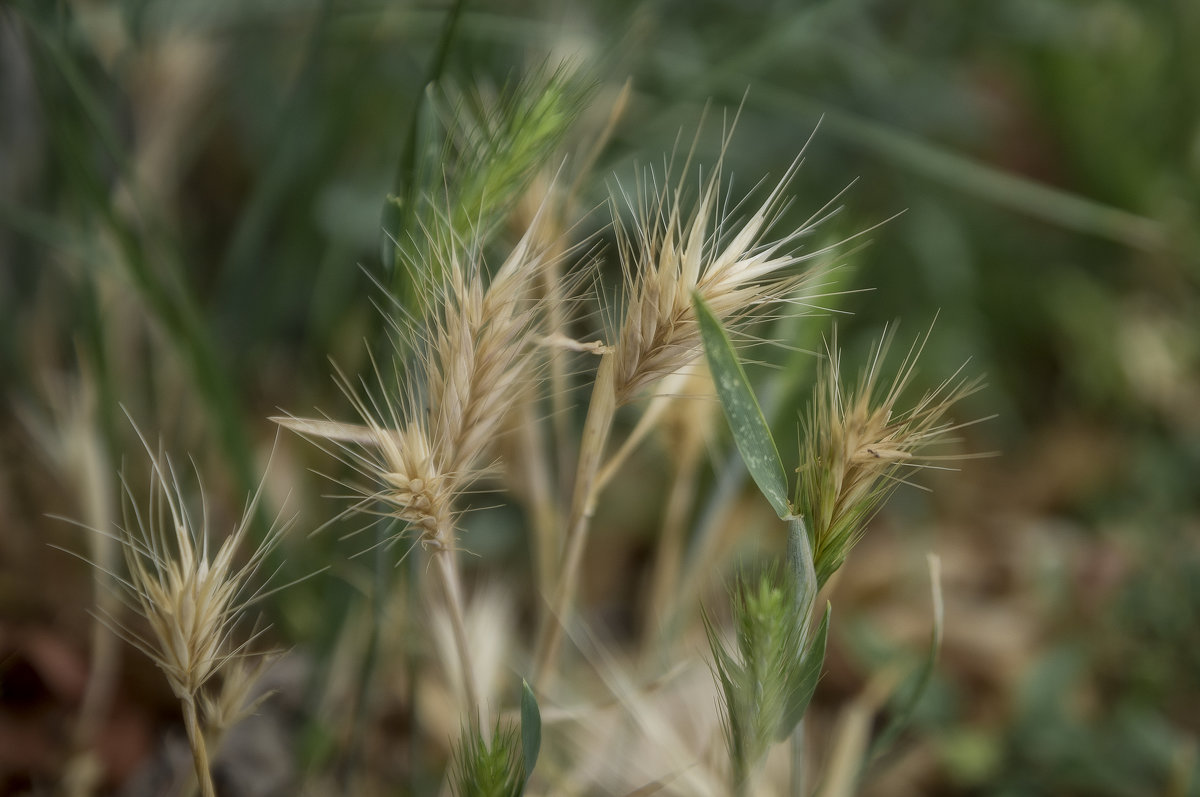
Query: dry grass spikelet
(670, 253)
(858, 444)
(238, 696)
(421, 440)
(192, 593)
(459, 370)
(191, 596)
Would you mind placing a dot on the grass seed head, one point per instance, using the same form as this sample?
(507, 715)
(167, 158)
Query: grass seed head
(237, 698)
(488, 768)
(423, 440)
(753, 676)
(858, 444)
(669, 254)
(191, 596)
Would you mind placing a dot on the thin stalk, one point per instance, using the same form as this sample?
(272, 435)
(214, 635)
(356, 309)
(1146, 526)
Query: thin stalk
(447, 570)
(797, 745)
(412, 662)
(539, 498)
(366, 674)
(407, 167)
(199, 747)
(669, 556)
(745, 784)
(90, 465)
(563, 439)
(560, 381)
(596, 429)
(644, 426)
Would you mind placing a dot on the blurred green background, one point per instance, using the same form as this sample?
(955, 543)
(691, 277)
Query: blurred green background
(191, 198)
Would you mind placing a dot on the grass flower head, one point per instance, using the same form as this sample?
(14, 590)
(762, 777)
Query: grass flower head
(192, 593)
(421, 442)
(858, 443)
(191, 590)
(669, 254)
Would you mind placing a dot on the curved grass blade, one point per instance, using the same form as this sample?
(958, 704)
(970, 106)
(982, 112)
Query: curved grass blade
(805, 678)
(531, 729)
(750, 430)
(802, 570)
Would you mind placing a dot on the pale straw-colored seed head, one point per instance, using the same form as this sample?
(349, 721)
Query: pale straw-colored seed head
(238, 697)
(191, 596)
(858, 444)
(421, 441)
(735, 265)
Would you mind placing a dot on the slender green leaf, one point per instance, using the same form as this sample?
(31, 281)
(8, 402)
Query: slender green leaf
(968, 175)
(805, 678)
(903, 713)
(531, 729)
(750, 430)
(800, 563)
(404, 182)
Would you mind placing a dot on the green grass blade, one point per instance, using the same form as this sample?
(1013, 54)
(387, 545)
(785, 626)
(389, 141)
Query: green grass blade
(750, 430)
(404, 183)
(1023, 195)
(531, 729)
(800, 563)
(805, 678)
(80, 114)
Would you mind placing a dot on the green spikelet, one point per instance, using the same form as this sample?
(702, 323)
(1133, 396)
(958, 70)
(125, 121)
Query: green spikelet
(755, 675)
(488, 769)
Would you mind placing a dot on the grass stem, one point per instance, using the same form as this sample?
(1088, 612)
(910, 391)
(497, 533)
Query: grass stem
(199, 747)
(796, 743)
(669, 556)
(451, 582)
(596, 429)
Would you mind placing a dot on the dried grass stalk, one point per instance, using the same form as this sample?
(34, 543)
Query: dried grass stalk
(422, 444)
(192, 599)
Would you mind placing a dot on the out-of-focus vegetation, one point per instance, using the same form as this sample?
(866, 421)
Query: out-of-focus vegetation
(193, 199)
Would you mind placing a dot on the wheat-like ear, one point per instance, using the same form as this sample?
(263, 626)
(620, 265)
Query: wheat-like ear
(858, 442)
(191, 595)
(422, 442)
(671, 253)
(191, 590)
